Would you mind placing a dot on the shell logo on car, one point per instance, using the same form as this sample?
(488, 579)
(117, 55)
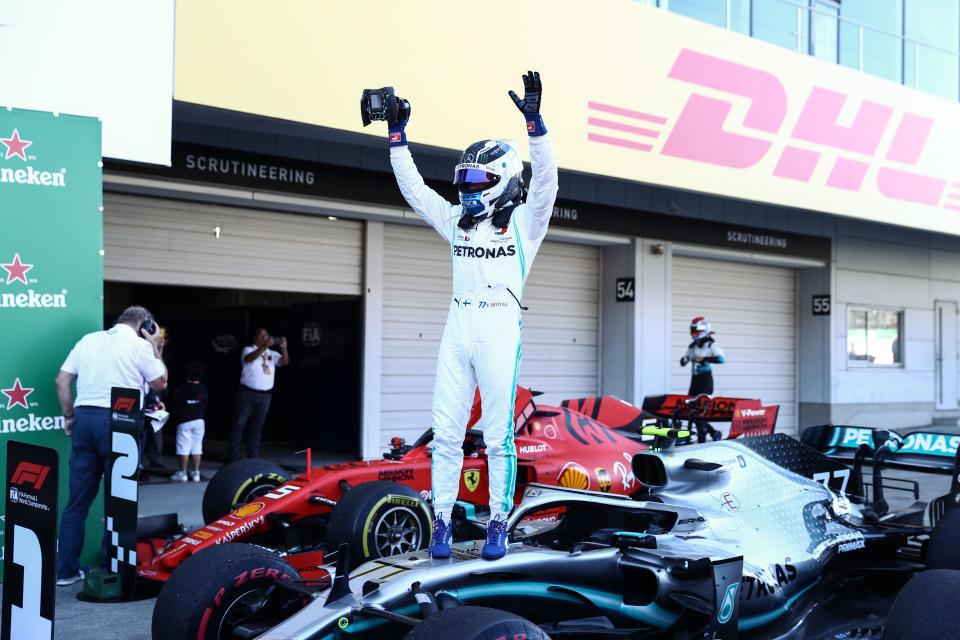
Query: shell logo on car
(248, 510)
(574, 476)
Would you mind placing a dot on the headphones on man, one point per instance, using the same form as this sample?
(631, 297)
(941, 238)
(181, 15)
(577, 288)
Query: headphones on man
(149, 326)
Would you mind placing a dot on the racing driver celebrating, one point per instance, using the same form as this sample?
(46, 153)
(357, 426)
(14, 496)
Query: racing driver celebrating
(494, 234)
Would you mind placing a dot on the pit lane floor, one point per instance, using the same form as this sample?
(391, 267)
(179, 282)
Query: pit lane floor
(77, 620)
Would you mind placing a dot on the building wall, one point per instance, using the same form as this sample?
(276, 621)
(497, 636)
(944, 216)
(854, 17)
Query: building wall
(872, 264)
(893, 274)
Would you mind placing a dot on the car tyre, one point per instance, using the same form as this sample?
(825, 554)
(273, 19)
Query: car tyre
(379, 519)
(475, 623)
(238, 483)
(926, 607)
(943, 552)
(213, 587)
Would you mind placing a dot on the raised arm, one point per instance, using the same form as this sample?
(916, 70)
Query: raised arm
(428, 204)
(544, 183)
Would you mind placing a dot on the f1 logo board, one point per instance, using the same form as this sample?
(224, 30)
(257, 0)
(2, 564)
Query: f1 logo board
(30, 542)
(121, 485)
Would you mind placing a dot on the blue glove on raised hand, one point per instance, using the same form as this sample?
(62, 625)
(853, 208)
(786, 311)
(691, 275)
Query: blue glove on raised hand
(530, 105)
(398, 115)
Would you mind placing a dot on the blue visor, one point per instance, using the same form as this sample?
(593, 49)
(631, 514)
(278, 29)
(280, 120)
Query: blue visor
(475, 179)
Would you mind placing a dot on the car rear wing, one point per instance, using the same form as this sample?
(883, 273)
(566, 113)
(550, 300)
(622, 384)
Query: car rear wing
(923, 451)
(927, 451)
(747, 417)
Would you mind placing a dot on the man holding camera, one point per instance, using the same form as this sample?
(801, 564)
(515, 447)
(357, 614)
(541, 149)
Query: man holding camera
(125, 356)
(259, 367)
(494, 234)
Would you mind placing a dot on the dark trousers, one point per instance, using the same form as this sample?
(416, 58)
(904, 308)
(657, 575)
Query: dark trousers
(251, 412)
(701, 383)
(151, 444)
(89, 460)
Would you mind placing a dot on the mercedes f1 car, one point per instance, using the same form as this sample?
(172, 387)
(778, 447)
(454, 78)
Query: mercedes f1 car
(380, 507)
(765, 537)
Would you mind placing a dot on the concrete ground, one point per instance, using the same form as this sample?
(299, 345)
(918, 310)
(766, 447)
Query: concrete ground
(77, 620)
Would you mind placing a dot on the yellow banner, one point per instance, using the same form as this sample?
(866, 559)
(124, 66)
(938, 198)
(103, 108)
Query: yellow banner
(629, 91)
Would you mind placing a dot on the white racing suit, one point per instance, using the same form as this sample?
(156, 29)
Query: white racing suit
(481, 340)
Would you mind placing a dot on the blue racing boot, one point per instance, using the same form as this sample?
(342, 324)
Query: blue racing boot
(442, 533)
(496, 544)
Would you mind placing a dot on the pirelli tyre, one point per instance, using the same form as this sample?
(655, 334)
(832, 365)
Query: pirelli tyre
(215, 592)
(926, 608)
(943, 547)
(475, 623)
(237, 483)
(379, 519)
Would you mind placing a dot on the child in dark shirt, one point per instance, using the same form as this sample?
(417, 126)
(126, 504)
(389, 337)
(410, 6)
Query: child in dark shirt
(190, 405)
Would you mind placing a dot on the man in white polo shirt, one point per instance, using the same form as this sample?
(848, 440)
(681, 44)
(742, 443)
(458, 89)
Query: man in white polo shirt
(259, 368)
(126, 355)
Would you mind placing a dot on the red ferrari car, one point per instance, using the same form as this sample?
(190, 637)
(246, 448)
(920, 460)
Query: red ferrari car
(380, 507)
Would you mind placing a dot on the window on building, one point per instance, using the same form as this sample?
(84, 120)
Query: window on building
(870, 32)
(710, 11)
(823, 29)
(782, 23)
(874, 337)
(930, 60)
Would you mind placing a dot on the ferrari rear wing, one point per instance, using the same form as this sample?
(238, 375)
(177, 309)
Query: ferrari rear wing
(747, 417)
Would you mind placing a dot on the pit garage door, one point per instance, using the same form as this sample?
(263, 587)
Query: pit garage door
(753, 312)
(560, 329)
(157, 241)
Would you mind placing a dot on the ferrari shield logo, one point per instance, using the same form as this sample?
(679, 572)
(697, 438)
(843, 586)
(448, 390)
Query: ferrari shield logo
(471, 479)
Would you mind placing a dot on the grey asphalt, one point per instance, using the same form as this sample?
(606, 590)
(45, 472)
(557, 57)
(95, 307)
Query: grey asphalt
(77, 620)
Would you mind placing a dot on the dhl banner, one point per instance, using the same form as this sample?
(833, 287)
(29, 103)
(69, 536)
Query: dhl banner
(630, 91)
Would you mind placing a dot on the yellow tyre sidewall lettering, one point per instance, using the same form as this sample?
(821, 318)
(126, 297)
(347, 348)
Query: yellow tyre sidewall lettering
(243, 487)
(403, 501)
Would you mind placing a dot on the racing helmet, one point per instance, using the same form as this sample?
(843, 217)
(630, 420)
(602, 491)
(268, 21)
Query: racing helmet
(699, 328)
(489, 176)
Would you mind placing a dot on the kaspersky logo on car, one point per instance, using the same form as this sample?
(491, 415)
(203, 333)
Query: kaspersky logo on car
(13, 295)
(17, 167)
(15, 399)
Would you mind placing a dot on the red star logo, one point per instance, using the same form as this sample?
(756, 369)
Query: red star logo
(17, 396)
(15, 146)
(17, 270)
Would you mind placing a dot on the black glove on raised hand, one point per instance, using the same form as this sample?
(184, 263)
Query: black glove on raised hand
(398, 115)
(530, 105)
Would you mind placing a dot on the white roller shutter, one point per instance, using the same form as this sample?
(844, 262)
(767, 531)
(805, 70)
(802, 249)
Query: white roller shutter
(753, 312)
(157, 241)
(560, 330)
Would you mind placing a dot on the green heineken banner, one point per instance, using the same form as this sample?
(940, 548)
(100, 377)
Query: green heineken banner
(51, 274)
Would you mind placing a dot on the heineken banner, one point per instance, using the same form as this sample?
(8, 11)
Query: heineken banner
(51, 274)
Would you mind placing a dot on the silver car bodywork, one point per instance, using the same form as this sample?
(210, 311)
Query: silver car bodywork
(750, 502)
